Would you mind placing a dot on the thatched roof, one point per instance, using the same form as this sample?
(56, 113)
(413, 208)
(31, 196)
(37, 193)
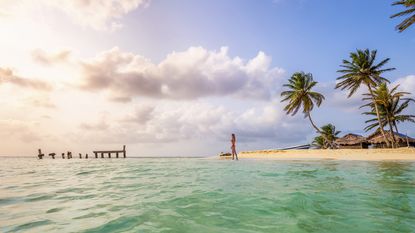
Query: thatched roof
(350, 139)
(377, 137)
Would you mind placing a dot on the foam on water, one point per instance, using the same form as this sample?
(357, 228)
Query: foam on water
(202, 195)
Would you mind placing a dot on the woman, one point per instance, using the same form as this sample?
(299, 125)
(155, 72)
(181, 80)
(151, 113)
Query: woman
(233, 147)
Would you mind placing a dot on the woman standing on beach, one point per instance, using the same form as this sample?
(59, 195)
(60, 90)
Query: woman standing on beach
(233, 147)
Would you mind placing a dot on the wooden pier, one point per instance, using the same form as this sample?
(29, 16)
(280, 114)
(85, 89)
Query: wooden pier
(109, 153)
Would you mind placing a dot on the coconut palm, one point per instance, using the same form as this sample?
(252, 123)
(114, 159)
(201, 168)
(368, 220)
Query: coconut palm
(392, 112)
(300, 95)
(362, 70)
(327, 137)
(410, 5)
(319, 142)
(330, 133)
(395, 112)
(383, 98)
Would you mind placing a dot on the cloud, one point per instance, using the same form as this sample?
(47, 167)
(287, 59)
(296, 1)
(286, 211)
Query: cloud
(21, 130)
(406, 84)
(99, 126)
(7, 76)
(174, 122)
(42, 101)
(96, 14)
(141, 115)
(190, 74)
(45, 58)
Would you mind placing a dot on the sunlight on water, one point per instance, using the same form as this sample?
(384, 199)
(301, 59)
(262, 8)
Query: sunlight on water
(202, 195)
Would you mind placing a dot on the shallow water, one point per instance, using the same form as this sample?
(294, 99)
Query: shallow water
(202, 195)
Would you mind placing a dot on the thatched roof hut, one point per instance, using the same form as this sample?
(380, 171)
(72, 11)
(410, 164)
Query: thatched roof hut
(402, 140)
(352, 141)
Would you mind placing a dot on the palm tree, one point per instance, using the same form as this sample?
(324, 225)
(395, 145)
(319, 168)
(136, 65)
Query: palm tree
(363, 71)
(330, 133)
(383, 98)
(410, 5)
(390, 107)
(300, 95)
(319, 142)
(396, 108)
(327, 137)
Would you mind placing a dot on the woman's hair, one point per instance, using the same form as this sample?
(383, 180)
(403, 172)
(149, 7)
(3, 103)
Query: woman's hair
(233, 135)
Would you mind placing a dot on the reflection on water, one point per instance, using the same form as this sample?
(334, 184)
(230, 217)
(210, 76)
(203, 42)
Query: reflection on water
(200, 195)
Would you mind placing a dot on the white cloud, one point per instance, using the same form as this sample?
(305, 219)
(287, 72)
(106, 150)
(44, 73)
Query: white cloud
(97, 14)
(175, 122)
(406, 84)
(190, 74)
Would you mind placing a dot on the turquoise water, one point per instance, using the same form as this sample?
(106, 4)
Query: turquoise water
(204, 195)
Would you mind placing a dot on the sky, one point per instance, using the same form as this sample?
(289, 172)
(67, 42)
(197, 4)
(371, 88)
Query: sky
(177, 77)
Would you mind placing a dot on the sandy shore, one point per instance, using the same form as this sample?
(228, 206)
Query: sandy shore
(342, 154)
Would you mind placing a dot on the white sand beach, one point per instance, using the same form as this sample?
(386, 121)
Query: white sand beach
(407, 154)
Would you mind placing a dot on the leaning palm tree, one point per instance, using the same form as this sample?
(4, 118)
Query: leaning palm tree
(410, 5)
(362, 70)
(300, 95)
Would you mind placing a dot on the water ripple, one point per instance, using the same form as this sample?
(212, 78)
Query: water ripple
(200, 195)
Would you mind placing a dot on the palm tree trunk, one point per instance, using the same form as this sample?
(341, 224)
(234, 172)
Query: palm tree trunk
(331, 144)
(391, 129)
(377, 114)
(396, 127)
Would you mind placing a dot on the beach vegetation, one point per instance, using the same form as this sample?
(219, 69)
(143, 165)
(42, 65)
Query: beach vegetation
(300, 95)
(327, 138)
(391, 103)
(363, 70)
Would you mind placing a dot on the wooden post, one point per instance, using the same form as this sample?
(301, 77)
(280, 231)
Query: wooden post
(102, 155)
(125, 154)
(80, 155)
(96, 155)
(63, 155)
(109, 154)
(86, 156)
(407, 140)
(40, 155)
(116, 154)
(69, 155)
(53, 155)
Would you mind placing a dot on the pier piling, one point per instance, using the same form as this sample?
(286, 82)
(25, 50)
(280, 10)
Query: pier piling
(40, 155)
(110, 152)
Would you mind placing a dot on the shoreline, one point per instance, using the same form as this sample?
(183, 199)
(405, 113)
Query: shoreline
(399, 154)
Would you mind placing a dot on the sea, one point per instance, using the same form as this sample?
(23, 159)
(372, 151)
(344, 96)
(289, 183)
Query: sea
(205, 195)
